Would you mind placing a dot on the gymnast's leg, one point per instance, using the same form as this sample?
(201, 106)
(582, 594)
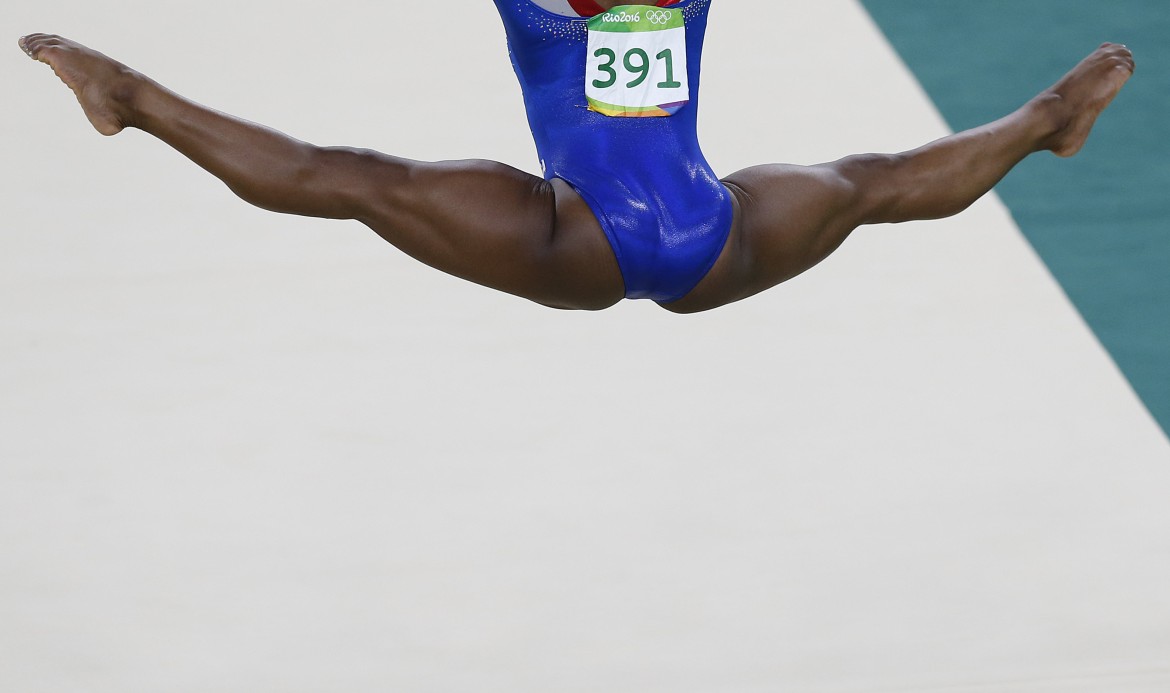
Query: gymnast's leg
(479, 220)
(789, 218)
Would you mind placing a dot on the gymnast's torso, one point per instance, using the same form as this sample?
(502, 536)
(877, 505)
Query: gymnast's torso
(613, 109)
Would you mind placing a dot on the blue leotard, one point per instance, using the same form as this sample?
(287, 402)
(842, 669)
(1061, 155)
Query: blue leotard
(665, 212)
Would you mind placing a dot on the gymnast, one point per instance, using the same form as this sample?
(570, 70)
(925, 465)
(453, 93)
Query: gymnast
(628, 207)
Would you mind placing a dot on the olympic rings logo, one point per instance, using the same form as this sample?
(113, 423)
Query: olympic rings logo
(658, 17)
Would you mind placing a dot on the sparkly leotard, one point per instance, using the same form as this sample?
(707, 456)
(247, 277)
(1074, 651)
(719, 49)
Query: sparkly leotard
(663, 209)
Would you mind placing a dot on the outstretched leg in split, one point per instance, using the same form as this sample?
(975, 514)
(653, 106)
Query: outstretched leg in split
(479, 220)
(789, 218)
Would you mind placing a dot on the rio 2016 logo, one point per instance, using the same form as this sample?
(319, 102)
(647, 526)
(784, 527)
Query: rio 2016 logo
(623, 17)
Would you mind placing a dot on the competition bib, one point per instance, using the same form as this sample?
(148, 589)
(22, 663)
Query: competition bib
(637, 62)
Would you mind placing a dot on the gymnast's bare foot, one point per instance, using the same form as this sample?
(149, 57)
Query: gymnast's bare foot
(1081, 95)
(104, 87)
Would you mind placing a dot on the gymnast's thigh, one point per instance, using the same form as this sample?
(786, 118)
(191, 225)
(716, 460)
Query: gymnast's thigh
(787, 219)
(494, 225)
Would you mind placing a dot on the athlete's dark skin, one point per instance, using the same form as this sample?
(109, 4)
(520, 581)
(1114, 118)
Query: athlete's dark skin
(503, 228)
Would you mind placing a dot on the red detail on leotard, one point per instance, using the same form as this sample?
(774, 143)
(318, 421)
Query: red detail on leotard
(590, 8)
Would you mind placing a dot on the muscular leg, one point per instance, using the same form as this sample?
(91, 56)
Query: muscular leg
(479, 220)
(789, 218)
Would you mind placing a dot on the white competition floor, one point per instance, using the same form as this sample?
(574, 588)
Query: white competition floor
(244, 452)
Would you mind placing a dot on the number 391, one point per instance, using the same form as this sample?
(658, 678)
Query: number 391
(637, 63)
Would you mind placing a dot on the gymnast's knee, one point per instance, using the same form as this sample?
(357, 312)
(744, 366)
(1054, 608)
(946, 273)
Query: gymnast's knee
(870, 186)
(338, 182)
